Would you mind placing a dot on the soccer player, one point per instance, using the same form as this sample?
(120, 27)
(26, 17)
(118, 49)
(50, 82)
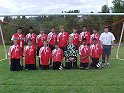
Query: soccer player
(84, 52)
(70, 53)
(20, 36)
(62, 38)
(30, 56)
(40, 39)
(96, 52)
(107, 42)
(57, 57)
(45, 55)
(31, 36)
(52, 38)
(85, 34)
(94, 35)
(15, 56)
(75, 37)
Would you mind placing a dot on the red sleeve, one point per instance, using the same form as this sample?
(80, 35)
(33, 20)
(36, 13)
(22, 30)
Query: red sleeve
(62, 54)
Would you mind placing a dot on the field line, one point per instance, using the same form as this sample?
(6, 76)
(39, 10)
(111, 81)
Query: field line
(3, 59)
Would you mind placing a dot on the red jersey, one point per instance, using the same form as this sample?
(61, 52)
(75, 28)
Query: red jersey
(62, 39)
(75, 38)
(30, 54)
(84, 51)
(40, 38)
(57, 55)
(32, 37)
(96, 51)
(94, 36)
(15, 52)
(45, 55)
(21, 39)
(52, 38)
(85, 35)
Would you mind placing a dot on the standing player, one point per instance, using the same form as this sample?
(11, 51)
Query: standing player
(96, 52)
(94, 35)
(84, 52)
(107, 42)
(52, 38)
(15, 56)
(45, 55)
(85, 34)
(20, 37)
(30, 56)
(31, 36)
(39, 40)
(57, 56)
(75, 37)
(62, 38)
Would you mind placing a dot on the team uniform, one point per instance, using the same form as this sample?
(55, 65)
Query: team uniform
(52, 39)
(21, 39)
(32, 37)
(15, 53)
(62, 39)
(39, 40)
(85, 35)
(96, 52)
(57, 56)
(94, 36)
(45, 55)
(75, 37)
(70, 51)
(83, 52)
(30, 57)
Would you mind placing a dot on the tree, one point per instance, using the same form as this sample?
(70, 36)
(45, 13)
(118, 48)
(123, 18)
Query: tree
(118, 6)
(105, 9)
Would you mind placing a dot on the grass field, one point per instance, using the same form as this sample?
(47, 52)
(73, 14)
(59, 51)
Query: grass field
(107, 80)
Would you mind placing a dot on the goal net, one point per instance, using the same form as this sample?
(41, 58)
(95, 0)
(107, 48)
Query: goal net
(115, 21)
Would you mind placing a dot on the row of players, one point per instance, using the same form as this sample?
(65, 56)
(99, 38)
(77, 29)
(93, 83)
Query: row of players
(68, 46)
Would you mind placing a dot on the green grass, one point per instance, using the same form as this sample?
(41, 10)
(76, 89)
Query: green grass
(107, 80)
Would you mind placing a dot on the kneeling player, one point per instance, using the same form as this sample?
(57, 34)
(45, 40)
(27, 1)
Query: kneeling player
(84, 52)
(57, 56)
(30, 56)
(15, 56)
(45, 55)
(96, 52)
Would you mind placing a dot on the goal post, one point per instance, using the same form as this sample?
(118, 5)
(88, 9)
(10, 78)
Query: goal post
(5, 50)
(119, 44)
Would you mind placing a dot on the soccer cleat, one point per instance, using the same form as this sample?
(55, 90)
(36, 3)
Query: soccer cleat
(60, 68)
(108, 64)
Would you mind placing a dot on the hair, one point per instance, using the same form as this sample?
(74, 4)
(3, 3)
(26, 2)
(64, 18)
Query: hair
(84, 26)
(29, 40)
(62, 26)
(52, 27)
(84, 39)
(94, 39)
(56, 43)
(15, 39)
(18, 28)
(45, 41)
(74, 27)
(30, 28)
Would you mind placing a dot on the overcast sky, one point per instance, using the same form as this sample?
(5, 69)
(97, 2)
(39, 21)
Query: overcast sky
(50, 6)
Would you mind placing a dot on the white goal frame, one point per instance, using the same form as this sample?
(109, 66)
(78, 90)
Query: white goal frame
(64, 14)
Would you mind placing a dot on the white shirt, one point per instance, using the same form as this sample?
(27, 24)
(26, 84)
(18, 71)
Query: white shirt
(107, 38)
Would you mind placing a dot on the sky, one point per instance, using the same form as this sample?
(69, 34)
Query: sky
(50, 6)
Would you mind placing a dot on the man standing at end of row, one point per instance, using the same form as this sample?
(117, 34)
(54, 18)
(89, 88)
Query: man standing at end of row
(107, 42)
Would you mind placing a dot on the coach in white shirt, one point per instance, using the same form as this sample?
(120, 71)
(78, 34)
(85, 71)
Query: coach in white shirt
(107, 41)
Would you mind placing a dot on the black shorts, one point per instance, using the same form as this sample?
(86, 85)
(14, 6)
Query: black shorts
(56, 65)
(83, 65)
(38, 49)
(44, 67)
(95, 61)
(30, 66)
(15, 65)
(106, 50)
(52, 47)
(69, 65)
